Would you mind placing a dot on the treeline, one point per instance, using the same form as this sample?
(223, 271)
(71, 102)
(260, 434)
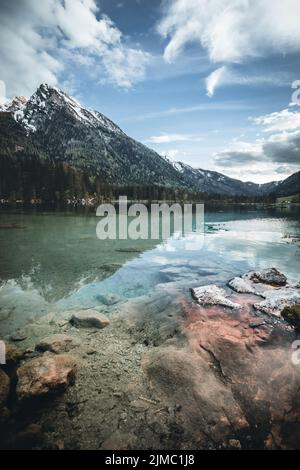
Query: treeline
(31, 178)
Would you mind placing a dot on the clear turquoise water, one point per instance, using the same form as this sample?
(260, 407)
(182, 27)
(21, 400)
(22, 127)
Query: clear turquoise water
(55, 261)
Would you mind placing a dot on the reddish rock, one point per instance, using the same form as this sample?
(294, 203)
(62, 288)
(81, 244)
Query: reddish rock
(45, 374)
(230, 378)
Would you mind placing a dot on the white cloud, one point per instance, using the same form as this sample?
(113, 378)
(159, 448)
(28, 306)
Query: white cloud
(39, 40)
(169, 138)
(231, 30)
(284, 120)
(214, 80)
(278, 154)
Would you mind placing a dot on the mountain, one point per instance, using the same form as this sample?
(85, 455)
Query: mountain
(87, 140)
(288, 187)
(52, 148)
(216, 183)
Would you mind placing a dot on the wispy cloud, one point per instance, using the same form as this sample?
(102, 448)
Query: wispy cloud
(202, 107)
(228, 76)
(169, 138)
(214, 80)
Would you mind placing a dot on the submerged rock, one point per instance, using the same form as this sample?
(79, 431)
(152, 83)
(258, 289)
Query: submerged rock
(19, 335)
(45, 374)
(89, 319)
(57, 344)
(4, 387)
(292, 315)
(213, 295)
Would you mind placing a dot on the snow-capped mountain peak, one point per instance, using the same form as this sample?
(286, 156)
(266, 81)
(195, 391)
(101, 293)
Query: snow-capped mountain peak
(45, 102)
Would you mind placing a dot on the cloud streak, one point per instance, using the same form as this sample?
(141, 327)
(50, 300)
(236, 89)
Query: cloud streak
(169, 138)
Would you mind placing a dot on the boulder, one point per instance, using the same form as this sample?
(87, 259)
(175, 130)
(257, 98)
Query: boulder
(271, 276)
(89, 319)
(238, 374)
(59, 343)
(213, 295)
(4, 387)
(43, 375)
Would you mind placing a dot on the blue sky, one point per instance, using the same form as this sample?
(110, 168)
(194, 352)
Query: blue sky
(207, 82)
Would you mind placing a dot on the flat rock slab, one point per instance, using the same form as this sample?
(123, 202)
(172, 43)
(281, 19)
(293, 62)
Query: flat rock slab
(213, 295)
(58, 344)
(46, 374)
(89, 319)
(276, 300)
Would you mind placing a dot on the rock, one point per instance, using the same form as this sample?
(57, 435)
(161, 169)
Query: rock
(4, 387)
(89, 319)
(119, 441)
(270, 276)
(241, 380)
(108, 299)
(277, 299)
(19, 335)
(292, 315)
(45, 374)
(13, 354)
(234, 444)
(213, 295)
(242, 286)
(57, 344)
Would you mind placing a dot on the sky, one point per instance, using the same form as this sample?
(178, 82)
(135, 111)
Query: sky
(212, 83)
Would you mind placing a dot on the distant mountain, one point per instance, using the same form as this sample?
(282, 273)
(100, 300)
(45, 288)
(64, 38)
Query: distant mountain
(217, 183)
(289, 186)
(51, 143)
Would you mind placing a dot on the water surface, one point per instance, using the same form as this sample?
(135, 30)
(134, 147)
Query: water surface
(54, 261)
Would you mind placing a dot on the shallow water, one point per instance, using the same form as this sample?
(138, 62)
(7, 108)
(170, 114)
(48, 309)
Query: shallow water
(54, 261)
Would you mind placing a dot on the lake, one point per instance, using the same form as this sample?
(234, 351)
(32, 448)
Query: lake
(52, 260)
